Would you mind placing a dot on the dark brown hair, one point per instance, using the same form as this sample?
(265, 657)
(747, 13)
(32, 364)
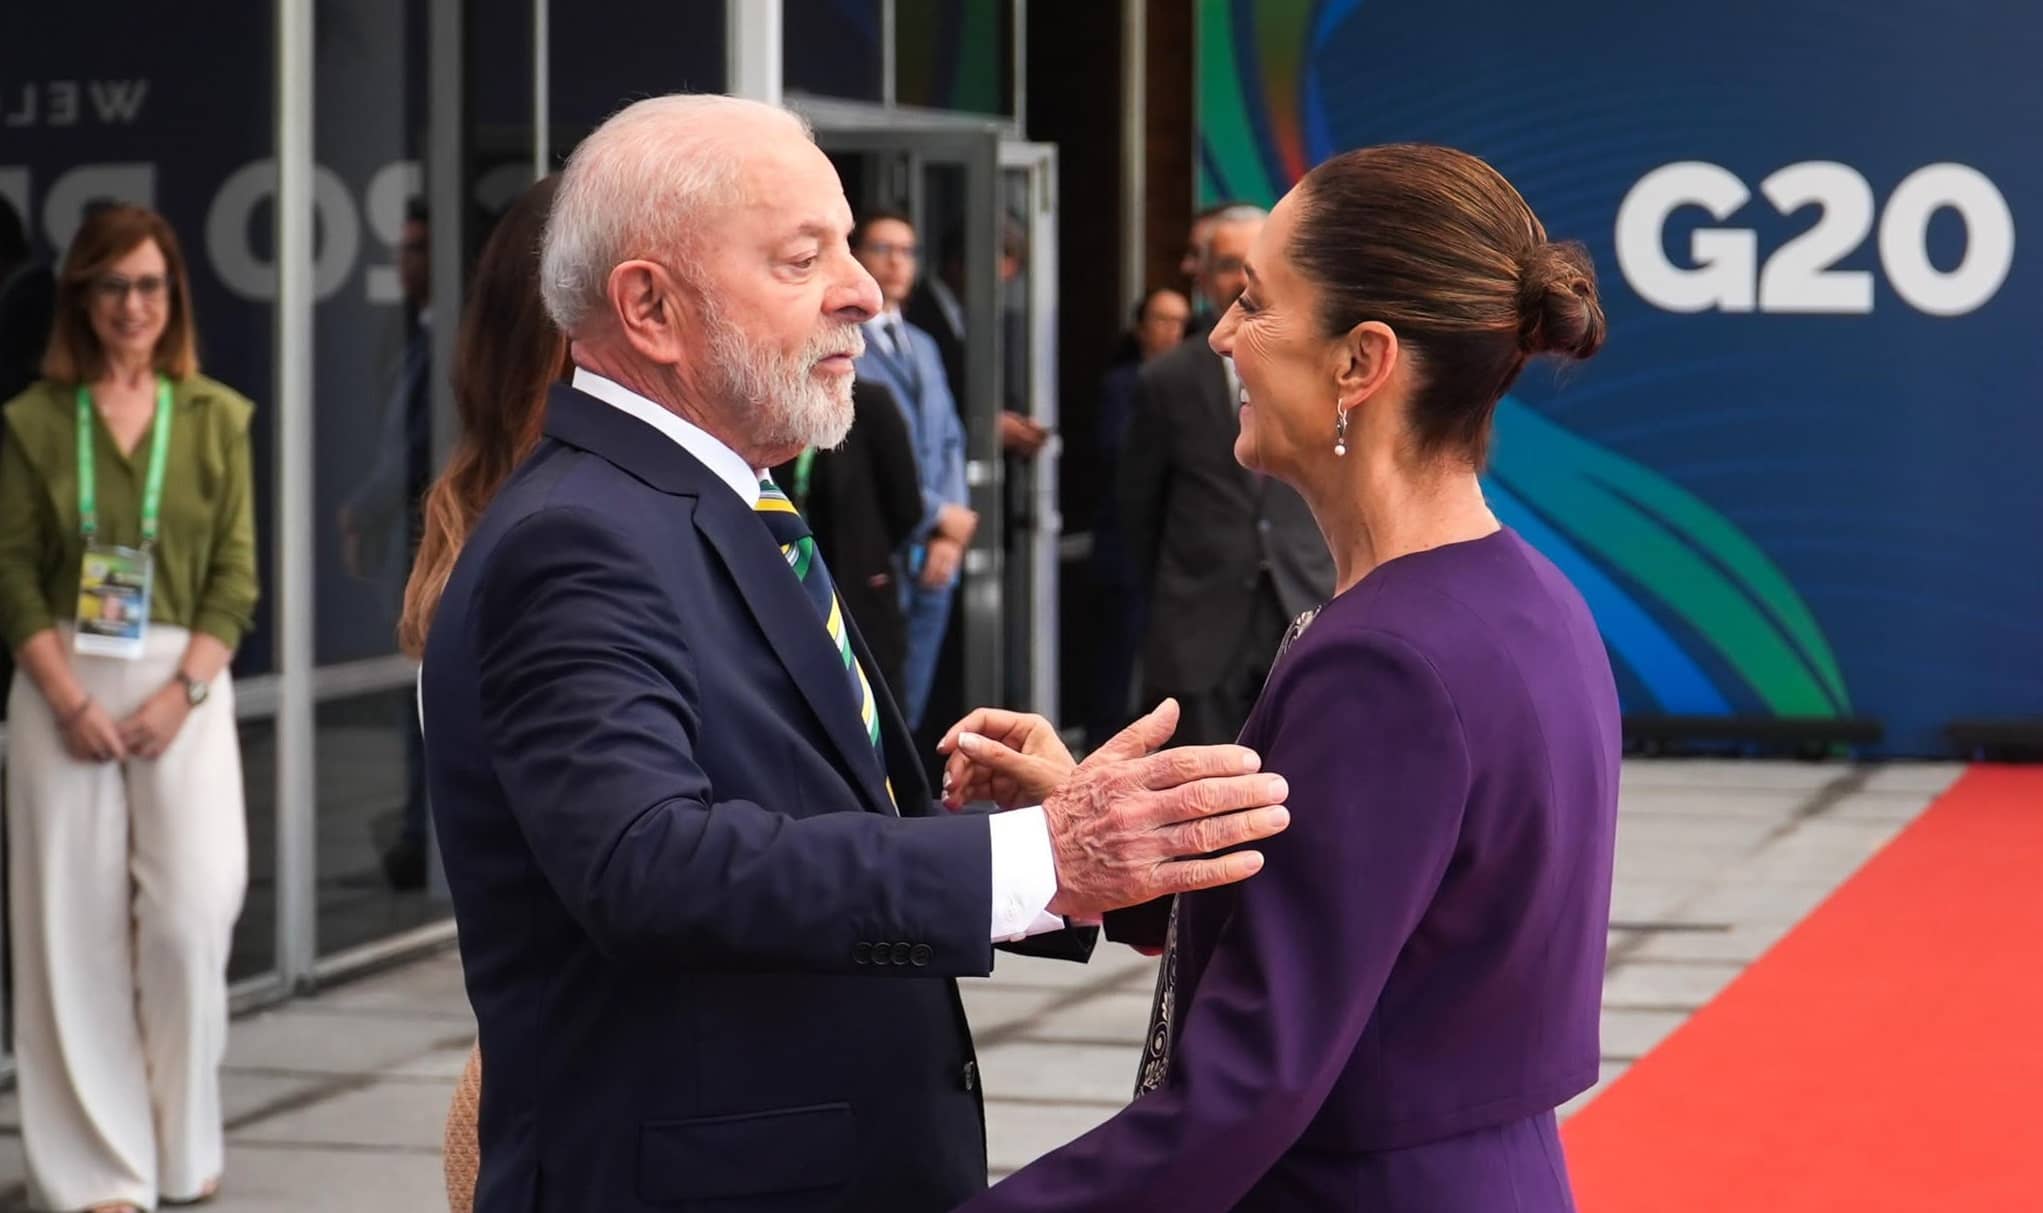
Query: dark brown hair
(879, 215)
(1436, 244)
(506, 355)
(107, 235)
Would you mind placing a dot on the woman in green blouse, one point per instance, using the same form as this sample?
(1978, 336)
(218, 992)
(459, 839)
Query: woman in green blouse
(127, 577)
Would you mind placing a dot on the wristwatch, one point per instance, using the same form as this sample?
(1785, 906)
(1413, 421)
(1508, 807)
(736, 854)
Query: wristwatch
(194, 690)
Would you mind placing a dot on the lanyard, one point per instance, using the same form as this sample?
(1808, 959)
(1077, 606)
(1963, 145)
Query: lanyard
(152, 490)
(805, 463)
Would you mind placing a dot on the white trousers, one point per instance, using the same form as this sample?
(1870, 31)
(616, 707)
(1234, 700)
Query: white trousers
(124, 880)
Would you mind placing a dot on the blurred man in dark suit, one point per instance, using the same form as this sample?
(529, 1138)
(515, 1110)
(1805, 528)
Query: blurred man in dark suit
(1228, 557)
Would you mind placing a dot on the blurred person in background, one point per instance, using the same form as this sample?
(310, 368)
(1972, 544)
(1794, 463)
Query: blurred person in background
(380, 523)
(506, 356)
(1194, 258)
(905, 360)
(1160, 320)
(127, 852)
(934, 307)
(1226, 555)
(27, 298)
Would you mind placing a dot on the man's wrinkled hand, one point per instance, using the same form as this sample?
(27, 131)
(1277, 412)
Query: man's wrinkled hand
(1130, 825)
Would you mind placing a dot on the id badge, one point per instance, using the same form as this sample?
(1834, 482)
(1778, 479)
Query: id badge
(113, 602)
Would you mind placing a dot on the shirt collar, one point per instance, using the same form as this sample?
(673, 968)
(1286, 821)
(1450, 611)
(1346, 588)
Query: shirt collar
(709, 450)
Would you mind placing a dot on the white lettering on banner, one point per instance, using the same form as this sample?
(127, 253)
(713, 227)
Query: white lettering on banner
(1798, 278)
(118, 101)
(64, 103)
(336, 232)
(56, 103)
(249, 193)
(1724, 261)
(1989, 243)
(1725, 272)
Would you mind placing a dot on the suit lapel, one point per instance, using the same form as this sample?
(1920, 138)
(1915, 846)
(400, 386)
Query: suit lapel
(797, 636)
(902, 372)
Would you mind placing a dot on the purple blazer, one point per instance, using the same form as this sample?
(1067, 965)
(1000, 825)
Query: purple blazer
(1386, 1016)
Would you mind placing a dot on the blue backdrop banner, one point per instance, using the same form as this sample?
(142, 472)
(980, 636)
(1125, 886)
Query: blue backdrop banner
(1799, 481)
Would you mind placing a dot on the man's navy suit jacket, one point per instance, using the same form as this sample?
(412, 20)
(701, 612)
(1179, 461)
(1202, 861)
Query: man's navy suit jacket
(710, 962)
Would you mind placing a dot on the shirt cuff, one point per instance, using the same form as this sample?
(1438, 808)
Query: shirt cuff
(1024, 874)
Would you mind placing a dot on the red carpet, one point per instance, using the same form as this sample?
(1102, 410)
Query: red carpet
(1885, 1057)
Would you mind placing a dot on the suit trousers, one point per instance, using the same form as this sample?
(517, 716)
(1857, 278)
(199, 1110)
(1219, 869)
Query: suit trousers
(124, 880)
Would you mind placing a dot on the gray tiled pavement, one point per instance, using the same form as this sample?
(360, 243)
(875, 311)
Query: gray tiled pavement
(335, 1103)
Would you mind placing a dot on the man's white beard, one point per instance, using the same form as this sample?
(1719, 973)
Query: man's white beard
(787, 405)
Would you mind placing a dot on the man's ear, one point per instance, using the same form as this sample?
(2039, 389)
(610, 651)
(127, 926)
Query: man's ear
(646, 301)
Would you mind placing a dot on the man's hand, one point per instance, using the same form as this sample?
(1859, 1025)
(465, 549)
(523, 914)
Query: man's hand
(958, 523)
(1009, 758)
(1130, 825)
(155, 724)
(940, 562)
(1020, 436)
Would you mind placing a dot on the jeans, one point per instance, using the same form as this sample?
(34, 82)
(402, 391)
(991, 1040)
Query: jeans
(928, 615)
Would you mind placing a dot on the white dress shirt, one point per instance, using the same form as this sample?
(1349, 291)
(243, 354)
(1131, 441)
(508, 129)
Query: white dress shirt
(889, 330)
(1024, 870)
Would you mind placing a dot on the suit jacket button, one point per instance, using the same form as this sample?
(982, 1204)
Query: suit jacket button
(862, 954)
(970, 1078)
(920, 956)
(901, 953)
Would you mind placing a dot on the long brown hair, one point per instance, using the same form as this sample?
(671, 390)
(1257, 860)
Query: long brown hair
(107, 235)
(505, 356)
(1438, 245)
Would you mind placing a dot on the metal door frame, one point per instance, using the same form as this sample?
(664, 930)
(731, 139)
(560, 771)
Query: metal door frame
(1039, 161)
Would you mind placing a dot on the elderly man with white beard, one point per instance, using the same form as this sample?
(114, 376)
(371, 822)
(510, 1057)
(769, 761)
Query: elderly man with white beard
(710, 916)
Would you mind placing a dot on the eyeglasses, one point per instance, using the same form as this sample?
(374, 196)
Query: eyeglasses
(882, 250)
(113, 288)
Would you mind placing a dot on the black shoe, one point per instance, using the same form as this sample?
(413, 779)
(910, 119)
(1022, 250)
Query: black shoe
(404, 866)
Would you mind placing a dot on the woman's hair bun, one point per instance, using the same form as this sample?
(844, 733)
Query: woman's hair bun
(1558, 308)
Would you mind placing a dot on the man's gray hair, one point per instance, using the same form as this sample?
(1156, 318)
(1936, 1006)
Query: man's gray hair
(1243, 213)
(639, 186)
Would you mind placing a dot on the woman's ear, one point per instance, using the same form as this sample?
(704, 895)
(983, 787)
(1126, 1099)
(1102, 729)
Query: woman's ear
(1365, 358)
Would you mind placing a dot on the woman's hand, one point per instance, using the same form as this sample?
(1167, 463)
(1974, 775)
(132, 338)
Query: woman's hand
(90, 735)
(154, 725)
(1009, 758)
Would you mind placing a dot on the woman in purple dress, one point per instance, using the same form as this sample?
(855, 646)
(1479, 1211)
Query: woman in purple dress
(1386, 1017)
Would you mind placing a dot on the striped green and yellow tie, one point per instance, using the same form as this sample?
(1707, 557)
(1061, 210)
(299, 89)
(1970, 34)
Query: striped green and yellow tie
(791, 532)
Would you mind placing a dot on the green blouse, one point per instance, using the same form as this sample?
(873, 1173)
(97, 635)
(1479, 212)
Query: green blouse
(205, 544)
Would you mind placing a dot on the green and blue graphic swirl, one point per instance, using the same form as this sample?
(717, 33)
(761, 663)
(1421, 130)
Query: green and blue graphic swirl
(1704, 622)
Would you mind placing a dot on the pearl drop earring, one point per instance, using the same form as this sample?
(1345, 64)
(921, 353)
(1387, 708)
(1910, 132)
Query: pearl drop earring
(1340, 429)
